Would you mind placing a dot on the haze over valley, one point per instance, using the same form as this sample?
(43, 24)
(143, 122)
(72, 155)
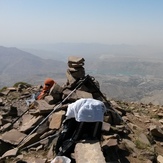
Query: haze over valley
(125, 72)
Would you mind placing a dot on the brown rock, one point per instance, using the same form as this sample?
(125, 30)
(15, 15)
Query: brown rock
(78, 94)
(143, 138)
(12, 152)
(75, 59)
(44, 107)
(110, 142)
(89, 152)
(130, 146)
(160, 159)
(13, 136)
(70, 78)
(49, 100)
(79, 73)
(40, 160)
(12, 89)
(160, 115)
(56, 120)
(50, 154)
(31, 122)
(82, 94)
(105, 127)
(33, 138)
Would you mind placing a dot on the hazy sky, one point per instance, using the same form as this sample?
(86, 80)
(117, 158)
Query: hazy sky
(101, 21)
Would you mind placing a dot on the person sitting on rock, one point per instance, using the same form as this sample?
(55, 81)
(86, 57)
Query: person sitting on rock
(48, 83)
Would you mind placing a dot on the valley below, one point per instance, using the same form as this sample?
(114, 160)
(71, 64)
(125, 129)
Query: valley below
(122, 75)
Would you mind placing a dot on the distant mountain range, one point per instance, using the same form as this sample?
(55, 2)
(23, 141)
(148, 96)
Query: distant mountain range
(17, 65)
(106, 59)
(123, 76)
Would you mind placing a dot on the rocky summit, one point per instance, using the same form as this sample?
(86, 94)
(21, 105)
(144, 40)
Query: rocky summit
(30, 128)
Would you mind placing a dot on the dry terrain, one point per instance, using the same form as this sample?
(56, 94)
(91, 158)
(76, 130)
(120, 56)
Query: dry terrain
(139, 136)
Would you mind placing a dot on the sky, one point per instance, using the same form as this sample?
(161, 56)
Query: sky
(133, 22)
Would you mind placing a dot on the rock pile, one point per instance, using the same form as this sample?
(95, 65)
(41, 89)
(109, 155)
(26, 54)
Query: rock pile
(75, 69)
(131, 132)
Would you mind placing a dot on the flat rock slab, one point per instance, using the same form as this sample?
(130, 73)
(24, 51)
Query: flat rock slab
(30, 123)
(44, 107)
(56, 120)
(10, 153)
(13, 137)
(75, 59)
(30, 139)
(89, 152)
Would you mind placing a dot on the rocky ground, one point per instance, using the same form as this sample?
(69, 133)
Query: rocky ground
(138, 139)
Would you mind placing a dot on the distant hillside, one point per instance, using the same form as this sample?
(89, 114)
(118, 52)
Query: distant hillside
(123, 77)
(17, 65)
(132, 88)
(127, 66)
(107, 59)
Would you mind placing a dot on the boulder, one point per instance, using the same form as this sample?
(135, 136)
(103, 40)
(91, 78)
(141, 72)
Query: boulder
(89, 152)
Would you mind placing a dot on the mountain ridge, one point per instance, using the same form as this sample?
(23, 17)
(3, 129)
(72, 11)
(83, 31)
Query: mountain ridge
(16, 65)
(124, 78)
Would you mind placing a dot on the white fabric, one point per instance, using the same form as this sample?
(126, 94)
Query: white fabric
(61, 159)
(30, 101)
(86, 110)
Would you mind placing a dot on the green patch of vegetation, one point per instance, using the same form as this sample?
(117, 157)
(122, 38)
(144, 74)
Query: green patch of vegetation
(3, 89)
(140, 145)
(22, 83)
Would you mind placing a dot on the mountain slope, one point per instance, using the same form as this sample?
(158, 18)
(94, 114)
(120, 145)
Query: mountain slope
(18, 65)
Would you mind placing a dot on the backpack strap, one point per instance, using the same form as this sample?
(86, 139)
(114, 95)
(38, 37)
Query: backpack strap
(71, 142)
(97, 130)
